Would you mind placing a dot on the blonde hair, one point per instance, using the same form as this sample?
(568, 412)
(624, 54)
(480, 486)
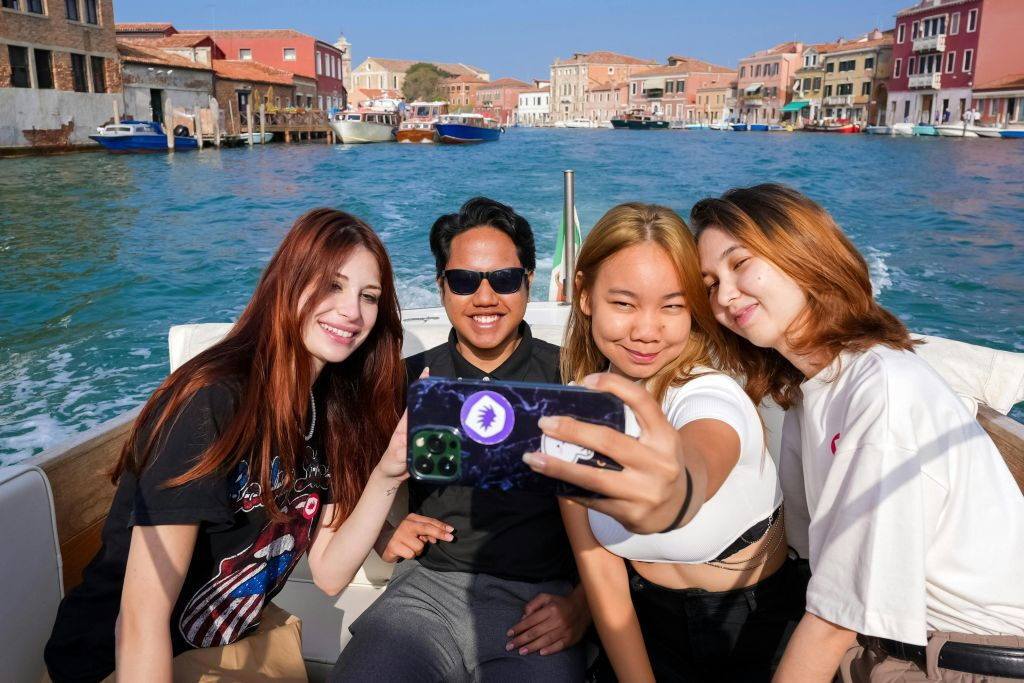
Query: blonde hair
(624, 226)
(802, 239)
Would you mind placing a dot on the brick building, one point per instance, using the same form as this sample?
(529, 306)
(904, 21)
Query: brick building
(292, 51)
(606, 102)
(238, 82)
(59, 71)
(460, 92)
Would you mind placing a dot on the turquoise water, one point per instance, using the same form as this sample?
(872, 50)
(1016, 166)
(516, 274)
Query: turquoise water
(100, 254)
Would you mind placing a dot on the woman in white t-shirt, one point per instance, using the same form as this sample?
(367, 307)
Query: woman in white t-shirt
(717, 597)
(911, 520)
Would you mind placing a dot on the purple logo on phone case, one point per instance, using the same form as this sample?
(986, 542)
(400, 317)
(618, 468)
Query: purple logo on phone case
(487, 417)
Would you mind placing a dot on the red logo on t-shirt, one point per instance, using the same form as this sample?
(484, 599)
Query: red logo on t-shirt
(834, 439)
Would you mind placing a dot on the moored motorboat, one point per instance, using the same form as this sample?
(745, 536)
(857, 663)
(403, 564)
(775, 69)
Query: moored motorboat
(141, 136)
(906, 129)
(454, 129)
(986, 131)
(739, 127)
(1014, 134)
(420, 126)
(832, 126)
(953, 130)
(696, 126)
(926, 130)
(579, 123)
(421, 132)
(366, 125)
(257, 138)
(759, 127)
(778, 128)
(879, 130)
(636, 119)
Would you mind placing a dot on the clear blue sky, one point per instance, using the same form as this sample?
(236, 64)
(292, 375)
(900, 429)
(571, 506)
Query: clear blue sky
(520, 38)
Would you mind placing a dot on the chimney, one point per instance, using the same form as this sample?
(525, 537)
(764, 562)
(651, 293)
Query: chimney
(841, 41)
(876, 35)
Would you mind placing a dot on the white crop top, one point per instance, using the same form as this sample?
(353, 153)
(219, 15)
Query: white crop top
(748, 495)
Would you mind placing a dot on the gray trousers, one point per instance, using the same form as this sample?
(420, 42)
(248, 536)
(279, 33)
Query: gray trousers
(449, 626)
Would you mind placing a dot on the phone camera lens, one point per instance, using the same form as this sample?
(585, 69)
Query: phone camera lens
(423, 465)
(436, 444)
(447, 466)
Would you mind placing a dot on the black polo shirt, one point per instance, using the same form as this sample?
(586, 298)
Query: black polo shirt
(509, 534)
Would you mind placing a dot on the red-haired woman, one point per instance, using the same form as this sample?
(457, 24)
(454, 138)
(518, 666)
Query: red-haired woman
(259, 449)
(911, 520)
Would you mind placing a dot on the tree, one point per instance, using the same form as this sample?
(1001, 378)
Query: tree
(423, 82)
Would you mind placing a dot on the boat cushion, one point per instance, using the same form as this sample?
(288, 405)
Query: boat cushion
(30, 570)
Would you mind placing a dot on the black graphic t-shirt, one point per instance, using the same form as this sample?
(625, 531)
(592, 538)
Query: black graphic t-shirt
(241, 558)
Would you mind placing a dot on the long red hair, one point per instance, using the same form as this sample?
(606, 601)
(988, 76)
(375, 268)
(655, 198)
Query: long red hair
(265, 356)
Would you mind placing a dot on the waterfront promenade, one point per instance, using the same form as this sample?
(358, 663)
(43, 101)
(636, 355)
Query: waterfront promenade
(94, 270)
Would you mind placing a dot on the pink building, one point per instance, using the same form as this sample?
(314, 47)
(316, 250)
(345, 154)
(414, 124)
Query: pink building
(606, 102)
(671, 90)
(765, 82)
(499, 99)
(999, 79)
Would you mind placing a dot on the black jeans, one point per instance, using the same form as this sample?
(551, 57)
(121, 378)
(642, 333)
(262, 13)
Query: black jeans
(696, 635)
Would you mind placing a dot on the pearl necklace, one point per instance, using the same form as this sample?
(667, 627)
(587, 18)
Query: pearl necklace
(312, 410)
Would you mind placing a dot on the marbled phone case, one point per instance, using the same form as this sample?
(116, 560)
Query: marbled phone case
(492, 443)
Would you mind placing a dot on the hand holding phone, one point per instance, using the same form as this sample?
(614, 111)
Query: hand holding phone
(474, 433)
(655, 487)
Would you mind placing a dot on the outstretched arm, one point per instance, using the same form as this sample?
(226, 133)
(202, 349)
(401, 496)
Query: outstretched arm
(336, 554)
(667, 474)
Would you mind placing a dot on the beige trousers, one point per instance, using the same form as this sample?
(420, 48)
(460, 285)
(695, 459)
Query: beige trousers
(871, 665)
(273, 652)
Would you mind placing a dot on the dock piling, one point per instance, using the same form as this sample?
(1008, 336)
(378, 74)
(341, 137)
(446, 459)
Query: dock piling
(248, 119)
(215, 117)
(263, 119)
(169, 123)
(117, 114)
(199, 127)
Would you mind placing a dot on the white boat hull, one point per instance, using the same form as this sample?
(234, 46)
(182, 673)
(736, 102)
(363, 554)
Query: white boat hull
(903, 129)
(355, 132)
(955, 131)
(879, 130)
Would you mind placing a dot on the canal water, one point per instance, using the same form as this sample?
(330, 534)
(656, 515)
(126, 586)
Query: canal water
(100, 254)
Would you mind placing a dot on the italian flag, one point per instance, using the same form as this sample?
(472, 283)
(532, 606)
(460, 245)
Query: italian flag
(556, 291)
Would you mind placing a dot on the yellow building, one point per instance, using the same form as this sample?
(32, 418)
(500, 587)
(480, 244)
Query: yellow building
(853, 86)
(808, 83)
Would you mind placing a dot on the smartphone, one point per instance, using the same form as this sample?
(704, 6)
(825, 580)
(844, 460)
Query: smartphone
(474, 433)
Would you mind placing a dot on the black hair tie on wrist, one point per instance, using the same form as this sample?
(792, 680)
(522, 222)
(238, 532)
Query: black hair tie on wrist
(685, 506)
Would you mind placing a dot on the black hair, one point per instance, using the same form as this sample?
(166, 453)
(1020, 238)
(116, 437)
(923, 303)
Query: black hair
(477, 212)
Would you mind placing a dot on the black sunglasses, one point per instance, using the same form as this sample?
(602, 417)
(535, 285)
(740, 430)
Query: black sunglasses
(503, 281)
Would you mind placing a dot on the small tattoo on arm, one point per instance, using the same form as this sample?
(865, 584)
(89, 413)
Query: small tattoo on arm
(391, 491)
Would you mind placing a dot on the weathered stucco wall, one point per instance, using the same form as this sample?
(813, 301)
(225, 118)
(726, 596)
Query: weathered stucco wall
(52, 117)
(186, 88)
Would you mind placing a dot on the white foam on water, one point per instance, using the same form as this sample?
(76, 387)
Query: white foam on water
(878, 269)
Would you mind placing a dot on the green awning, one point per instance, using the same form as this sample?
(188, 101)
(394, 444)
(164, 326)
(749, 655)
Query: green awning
(796, 106)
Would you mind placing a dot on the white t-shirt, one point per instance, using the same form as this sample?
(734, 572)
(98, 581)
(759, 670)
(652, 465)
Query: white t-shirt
(748, 495)
(907, 512)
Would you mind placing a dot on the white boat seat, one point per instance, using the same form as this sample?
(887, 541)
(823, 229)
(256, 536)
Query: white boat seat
(30, 570)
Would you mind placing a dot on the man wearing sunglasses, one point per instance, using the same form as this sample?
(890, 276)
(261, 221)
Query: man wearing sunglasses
(495, 603)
